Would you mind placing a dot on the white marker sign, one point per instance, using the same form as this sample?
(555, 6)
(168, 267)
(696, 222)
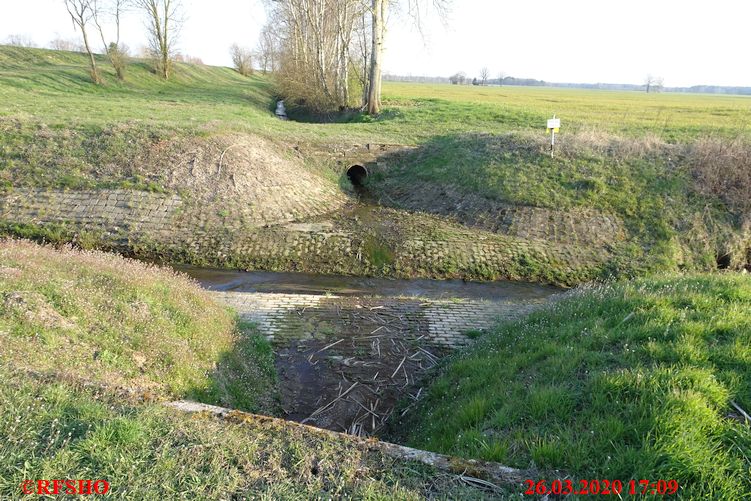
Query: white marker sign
(554, 125)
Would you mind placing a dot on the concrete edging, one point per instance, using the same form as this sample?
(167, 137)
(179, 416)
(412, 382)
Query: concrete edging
(466, 468)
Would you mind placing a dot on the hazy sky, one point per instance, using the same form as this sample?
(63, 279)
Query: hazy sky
(685, 41)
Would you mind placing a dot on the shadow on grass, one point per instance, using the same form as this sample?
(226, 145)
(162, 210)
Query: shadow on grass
(244, 378)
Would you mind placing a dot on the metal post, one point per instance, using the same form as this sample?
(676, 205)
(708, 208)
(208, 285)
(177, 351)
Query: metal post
(552, 141)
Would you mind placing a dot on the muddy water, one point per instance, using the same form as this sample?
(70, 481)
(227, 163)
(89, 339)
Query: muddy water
(353, 348)
(304, 283)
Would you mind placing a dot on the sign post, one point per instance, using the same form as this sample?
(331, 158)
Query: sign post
(554, 125)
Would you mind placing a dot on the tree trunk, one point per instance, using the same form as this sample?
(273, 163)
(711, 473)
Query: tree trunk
(165, 63)
(376, 58)
(92, 61)
(165, 42)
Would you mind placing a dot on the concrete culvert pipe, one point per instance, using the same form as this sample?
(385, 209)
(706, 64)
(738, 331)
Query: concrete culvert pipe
(357, 175)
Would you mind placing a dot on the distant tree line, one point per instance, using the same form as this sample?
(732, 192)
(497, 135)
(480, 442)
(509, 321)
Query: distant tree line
(461, 78)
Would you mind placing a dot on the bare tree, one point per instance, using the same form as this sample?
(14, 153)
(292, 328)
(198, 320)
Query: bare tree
(81, 13)
(653, 83)
(658, 84)
(379, 12)
(501, 78)
(458, 78)
(60, 43)
(648, 82)
(267, 49)
(164, 21)
(364, 35)
(242, 59)
(19, 40)
(484, 75)
(114, 9)
(187, 58)
(311, 45)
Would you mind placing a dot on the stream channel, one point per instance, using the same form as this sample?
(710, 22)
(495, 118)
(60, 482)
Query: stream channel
(350, 351)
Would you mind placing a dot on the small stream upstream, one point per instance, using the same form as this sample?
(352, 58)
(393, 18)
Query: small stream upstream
(350, 349)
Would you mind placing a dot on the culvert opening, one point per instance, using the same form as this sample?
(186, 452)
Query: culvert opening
(723, 261)
(357, 175)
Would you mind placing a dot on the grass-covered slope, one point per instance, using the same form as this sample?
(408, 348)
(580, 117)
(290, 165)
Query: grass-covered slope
(649, 163)
(100, 319)
(63, 431)
(54, 87)
(633, 380)
(57, 129)
(674, 202)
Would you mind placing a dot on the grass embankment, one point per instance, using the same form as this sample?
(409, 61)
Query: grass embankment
(680, 210)
(633, 380)
(63, 431)
(121, 324)
(647, 163)
(91, 343)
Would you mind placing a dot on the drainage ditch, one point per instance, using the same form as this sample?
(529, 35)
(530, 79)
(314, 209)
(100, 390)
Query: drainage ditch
(351, 351)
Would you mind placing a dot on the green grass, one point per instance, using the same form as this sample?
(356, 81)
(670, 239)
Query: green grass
(498, 109)
(631, 380)
(63, 431)
(125, 325)
(649, 186)
(53, 88)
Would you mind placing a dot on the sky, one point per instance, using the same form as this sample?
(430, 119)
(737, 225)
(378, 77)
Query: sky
(686, 42)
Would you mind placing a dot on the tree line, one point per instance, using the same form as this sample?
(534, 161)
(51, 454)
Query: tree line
(327, 55)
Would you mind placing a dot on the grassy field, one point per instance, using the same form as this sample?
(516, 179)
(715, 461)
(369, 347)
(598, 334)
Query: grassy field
(52, 88)
(673, 117)
(633, 380)
(93, 343)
